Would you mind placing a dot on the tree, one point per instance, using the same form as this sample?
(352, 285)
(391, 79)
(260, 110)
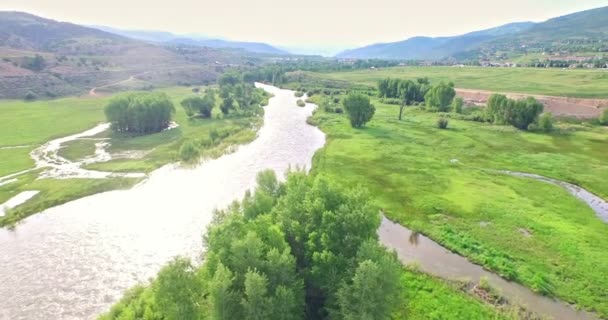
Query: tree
(518, 113)
(440, 97)
(457, 105)
(604, 117)
(359, 109)
(140, 113)
(177, 290)
(199, 106)
(545, 122)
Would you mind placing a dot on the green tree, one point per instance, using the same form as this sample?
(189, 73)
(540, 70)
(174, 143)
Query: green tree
(178, 292)
(457, 105)
(140, 113)
(359, 109)
(604, 117)
(199, 106)
(440, 97)
(545, 122)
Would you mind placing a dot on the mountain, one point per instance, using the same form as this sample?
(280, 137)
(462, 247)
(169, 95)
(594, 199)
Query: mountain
(425, 48)
(168, 38)
(50, 58)
(255, 47)
(581, 32)
(143, 35)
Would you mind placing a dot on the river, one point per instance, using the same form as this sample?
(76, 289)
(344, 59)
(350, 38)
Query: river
(73, 261)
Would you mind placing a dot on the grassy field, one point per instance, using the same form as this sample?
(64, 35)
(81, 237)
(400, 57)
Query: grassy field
(555, 82)
(41, 121)
(441, 183)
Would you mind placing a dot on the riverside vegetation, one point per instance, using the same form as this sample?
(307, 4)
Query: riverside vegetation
(446, 184)
(303, 249)
(34, 123)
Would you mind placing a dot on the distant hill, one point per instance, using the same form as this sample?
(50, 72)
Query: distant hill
(255, 47)
(51, 58)
(581, 32)
(423, 48)
(169, 38)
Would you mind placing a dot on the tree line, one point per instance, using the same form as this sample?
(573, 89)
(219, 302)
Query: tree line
(303, 249)
(139, 113)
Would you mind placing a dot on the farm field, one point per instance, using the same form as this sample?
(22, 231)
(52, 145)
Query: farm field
(35, 123)
(578, 83)
(445, 184)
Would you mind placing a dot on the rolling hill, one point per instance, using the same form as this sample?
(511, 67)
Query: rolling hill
(418, 48)
(582, 32)
(167, 38)
(45, 58)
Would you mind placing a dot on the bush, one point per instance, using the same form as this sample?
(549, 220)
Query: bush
(545, 122)
(301, 103)
(299, 94)
(30, 96)
(359, 109)
(339, 110)
(392, 101)
(604, 118)
(442, 123)
(189, 151)
(457, 105)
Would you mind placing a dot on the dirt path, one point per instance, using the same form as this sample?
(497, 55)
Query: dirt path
(560, 106)
(93, 92)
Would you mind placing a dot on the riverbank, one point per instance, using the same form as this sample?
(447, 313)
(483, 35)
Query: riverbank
(436, 183)
(81, 161)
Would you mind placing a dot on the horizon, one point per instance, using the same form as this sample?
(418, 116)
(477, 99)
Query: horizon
(322, 35)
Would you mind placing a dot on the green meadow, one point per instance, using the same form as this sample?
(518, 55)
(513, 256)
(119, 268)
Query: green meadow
(580, 83)
(445, 184)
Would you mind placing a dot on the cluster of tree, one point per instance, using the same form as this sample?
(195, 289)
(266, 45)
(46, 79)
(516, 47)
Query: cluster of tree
(273, 74)
(440, 97)
(518, 113)
(359, 109)
(200, 106)
(303, 249)
(234, 89)
(140, 113)
(406, 90)
(36, 63)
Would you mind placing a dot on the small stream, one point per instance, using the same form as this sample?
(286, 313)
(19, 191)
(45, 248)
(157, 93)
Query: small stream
(599, 205)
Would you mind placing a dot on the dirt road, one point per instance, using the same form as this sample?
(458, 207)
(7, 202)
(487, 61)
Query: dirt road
(93, 92)
(559, 106)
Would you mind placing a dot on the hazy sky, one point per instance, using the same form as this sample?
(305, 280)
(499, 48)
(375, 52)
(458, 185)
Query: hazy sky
(335, 23)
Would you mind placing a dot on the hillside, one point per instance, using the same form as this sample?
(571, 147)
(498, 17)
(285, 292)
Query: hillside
(573, 36)
(419, 48)
(44, 58)
(167, 38)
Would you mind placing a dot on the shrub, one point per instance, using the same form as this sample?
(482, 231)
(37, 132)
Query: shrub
(457, 105)
(359, 109)
(339, 110)
(604, 118)
(442, 123)
(301, 103)
(545, 122)
(299, 94)
(30, 96)
(189, 151)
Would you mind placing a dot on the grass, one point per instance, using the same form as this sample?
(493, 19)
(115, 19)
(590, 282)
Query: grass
(555, 82)
(41, 121)
(427, 298)
(407, 166)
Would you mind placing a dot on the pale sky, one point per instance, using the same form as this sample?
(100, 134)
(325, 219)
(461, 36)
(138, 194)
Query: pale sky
(313, 23)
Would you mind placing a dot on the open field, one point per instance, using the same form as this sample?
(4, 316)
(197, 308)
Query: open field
(35, 123)
(443, 183)
(554, 82)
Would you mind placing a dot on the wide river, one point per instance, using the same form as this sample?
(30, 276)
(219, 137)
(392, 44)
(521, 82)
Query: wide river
(73, 261)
